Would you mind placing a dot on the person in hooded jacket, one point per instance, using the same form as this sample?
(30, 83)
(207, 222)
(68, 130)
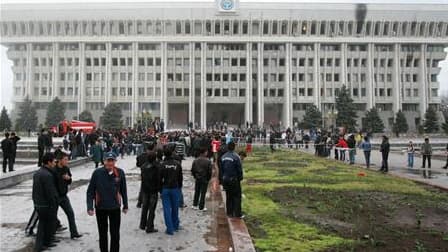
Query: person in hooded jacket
(149, 191)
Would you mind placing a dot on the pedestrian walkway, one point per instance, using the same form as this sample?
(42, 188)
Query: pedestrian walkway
(200, 231)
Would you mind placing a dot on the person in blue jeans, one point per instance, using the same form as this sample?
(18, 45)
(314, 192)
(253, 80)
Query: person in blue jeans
(366, 147)
(410, 151)
(171, 183)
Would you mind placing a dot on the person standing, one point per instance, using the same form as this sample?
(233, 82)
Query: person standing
(426, 151)
(410, 150)
(171, 180)
(107, 191)
(41, 147)
(342, 147)
(96, 151)
(446, 153)
(385, 149)
(7, 150)
(64, 178)
(201, 170)
(351, 144)
(366, 147)
(216, 144)
(232, 174)
(149, 191)
(14, 140)
(45, 198)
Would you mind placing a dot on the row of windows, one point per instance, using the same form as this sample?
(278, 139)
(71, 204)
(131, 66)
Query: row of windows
(123, 91)
(295, 62)
(225, 27)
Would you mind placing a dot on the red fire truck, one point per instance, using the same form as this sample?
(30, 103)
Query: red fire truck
(65, 126)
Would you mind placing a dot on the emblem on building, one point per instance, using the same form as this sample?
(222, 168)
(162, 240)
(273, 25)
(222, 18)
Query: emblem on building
(227, 5)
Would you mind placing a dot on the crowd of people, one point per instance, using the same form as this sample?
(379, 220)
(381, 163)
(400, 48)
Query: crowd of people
(159, 155)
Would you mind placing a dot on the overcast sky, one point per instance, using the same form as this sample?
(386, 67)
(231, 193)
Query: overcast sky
(5, 64)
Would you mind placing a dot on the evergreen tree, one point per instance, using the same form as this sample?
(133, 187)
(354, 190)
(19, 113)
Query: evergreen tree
(346, 113)
(312, 118)
(400, 124)
(5, 122)
(431, 124)
(373, 122)
(55, 112)
(445, 126)
(86, 116)
(111, 118)
(27, 116)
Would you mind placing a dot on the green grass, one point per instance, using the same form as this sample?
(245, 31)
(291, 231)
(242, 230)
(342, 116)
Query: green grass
(283, 202)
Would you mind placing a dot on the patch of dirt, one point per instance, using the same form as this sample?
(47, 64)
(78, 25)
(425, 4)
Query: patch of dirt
(382, 221)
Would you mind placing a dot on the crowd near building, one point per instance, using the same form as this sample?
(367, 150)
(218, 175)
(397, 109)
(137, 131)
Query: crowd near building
(227, 61)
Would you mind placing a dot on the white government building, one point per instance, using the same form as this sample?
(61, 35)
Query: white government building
(227, 60)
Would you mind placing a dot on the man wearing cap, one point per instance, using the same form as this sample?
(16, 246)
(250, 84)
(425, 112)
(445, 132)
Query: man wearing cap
(107, 188)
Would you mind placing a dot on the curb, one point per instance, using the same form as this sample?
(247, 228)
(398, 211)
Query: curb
(241, 239)
(17, 177)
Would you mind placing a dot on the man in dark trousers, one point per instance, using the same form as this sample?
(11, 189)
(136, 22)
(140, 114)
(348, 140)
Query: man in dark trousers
(149, 192)
(64, 178)
(141, 159)
(41, 147)
(7, 150)
(107, 189)
(14, 140)
(171, 179)
(202, 172)
(385, 149)
(232, 174)
(45, 199)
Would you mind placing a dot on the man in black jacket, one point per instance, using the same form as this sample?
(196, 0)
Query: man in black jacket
(7, 150)
(202, 172)
(41, 146)
(171, 179)
(64, 178)
(45, 198)
(149, 192)
(385, 149)
(14, 140)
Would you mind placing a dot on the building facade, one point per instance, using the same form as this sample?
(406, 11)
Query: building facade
(227, 61)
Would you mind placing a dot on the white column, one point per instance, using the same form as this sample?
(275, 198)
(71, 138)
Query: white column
(163, 89)
(134, 107)
(191, 104)
(29, 69)
(203, 85)
(81, 89)
(316, 76)
(108, 88)
(54, 70)
(248, 107)
(287, 106)
(370, 84)
(423, 83)
(260, 85)
(397, 79)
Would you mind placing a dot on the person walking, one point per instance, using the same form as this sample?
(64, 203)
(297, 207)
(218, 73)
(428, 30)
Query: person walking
(45, 198)
(201, 170)
(171, 180)
(385, 149)
(426, 151)
(410, 150)
(366, 147)
(7, 150)
(232, 175)
(64, 178)
(149, 192)
(107, 192)
(342, 147)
